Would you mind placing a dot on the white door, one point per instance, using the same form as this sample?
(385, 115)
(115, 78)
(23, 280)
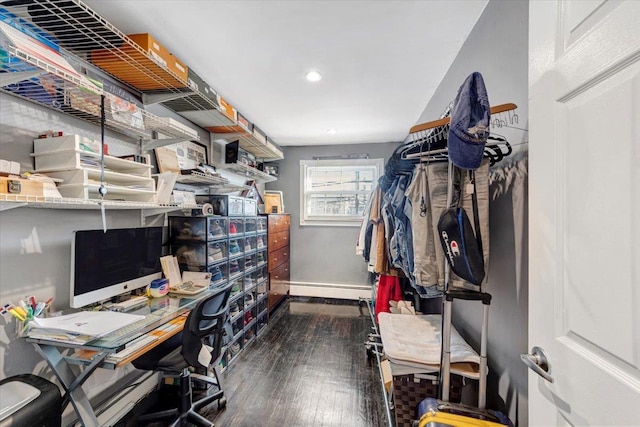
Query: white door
(584, 217)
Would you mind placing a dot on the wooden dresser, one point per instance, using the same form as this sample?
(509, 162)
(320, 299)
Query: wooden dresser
(278, 237)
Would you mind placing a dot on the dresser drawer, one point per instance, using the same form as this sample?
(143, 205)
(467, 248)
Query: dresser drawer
(278, 257)
(278, 240)
(278, 285)
(279, 223)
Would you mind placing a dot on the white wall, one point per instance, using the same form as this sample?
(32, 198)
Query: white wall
(498, 48)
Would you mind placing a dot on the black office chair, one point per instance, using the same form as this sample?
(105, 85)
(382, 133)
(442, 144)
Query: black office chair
(204, 325)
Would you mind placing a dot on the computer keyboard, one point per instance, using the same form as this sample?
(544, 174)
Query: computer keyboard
(132, 347)
(130, 304)
(128, 330)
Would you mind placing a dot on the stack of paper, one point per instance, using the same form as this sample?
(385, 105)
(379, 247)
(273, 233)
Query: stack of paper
(80, 327)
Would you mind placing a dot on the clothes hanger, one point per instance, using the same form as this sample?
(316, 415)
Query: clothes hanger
(446, 120)
(497, 148)
(438, 130)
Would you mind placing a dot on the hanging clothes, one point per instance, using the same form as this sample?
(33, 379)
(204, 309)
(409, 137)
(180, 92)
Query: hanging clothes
(438, 181)
(381, 263)
(425, 263)
(364, 236)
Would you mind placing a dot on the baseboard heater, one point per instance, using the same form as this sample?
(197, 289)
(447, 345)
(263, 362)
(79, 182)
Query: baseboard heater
(329, 290)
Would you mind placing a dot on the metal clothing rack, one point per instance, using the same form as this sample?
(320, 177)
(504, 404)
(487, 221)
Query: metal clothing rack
(431, 134)
(373, 346)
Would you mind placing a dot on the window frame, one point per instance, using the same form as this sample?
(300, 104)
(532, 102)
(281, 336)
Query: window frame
(335, 220)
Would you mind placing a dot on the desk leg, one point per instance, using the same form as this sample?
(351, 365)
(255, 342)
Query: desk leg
(72, 383)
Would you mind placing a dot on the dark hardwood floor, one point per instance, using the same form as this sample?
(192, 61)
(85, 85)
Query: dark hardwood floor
(308, 368)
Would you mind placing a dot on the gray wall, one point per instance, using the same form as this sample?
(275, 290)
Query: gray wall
(322, 254)
(498, 48)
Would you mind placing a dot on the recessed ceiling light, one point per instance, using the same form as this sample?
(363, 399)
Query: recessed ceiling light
(331, 131)
(313, 76)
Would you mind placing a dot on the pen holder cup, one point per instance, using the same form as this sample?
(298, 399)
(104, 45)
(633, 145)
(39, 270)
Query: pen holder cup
(22, 327)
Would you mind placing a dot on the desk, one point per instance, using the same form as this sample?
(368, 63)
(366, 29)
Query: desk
(92, 355)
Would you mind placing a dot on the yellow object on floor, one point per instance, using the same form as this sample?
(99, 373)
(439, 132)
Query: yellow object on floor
(435, 413)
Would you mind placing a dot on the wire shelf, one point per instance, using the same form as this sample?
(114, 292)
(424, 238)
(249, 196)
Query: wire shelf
(8, 201)
(73, 26)
(60, 88)
(263, 150)
(242, 169)
(197, 177)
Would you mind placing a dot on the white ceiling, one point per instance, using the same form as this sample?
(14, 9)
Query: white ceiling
(380, 60)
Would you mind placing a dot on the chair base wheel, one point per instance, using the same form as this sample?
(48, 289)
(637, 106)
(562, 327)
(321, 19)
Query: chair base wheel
(222, 402)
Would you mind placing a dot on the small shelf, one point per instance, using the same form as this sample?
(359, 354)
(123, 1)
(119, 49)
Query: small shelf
(199, 178)
(265, 151)
(248, 171)
(110, 162)
(111, 189)
(9, 201)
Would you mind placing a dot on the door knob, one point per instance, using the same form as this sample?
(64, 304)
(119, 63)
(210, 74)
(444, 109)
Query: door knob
(537, 361)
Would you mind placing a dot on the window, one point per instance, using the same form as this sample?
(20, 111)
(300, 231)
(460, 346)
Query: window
(336, 192)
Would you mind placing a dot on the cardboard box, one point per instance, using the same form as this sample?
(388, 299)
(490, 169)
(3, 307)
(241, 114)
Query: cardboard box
(227, 109)
(259, 135)
(246, 124)
(386, 374)
(21, 186)
(122, 63)
(161, 54)
(152, 46)
(178, 67)
(198, 84)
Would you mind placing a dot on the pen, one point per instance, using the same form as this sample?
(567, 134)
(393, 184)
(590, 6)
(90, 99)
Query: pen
(48, 302)
(39, 308)
(21, 311)
(16, 314)
(32, 302)
(22, 305)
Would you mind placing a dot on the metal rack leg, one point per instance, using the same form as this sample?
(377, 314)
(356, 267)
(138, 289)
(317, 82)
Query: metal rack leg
(446, 353)
(387, 397)
(482, 383)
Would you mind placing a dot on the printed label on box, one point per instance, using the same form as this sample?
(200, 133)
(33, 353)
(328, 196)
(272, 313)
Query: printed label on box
(157, 58)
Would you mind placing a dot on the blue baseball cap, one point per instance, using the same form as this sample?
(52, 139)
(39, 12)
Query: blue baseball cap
(470, 117)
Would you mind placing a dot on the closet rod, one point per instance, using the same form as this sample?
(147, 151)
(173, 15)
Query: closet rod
(441, 122)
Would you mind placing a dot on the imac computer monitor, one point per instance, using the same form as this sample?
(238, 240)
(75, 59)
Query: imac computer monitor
(106, 264)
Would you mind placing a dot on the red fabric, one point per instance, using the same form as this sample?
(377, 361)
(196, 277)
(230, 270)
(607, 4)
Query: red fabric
(388, 290)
